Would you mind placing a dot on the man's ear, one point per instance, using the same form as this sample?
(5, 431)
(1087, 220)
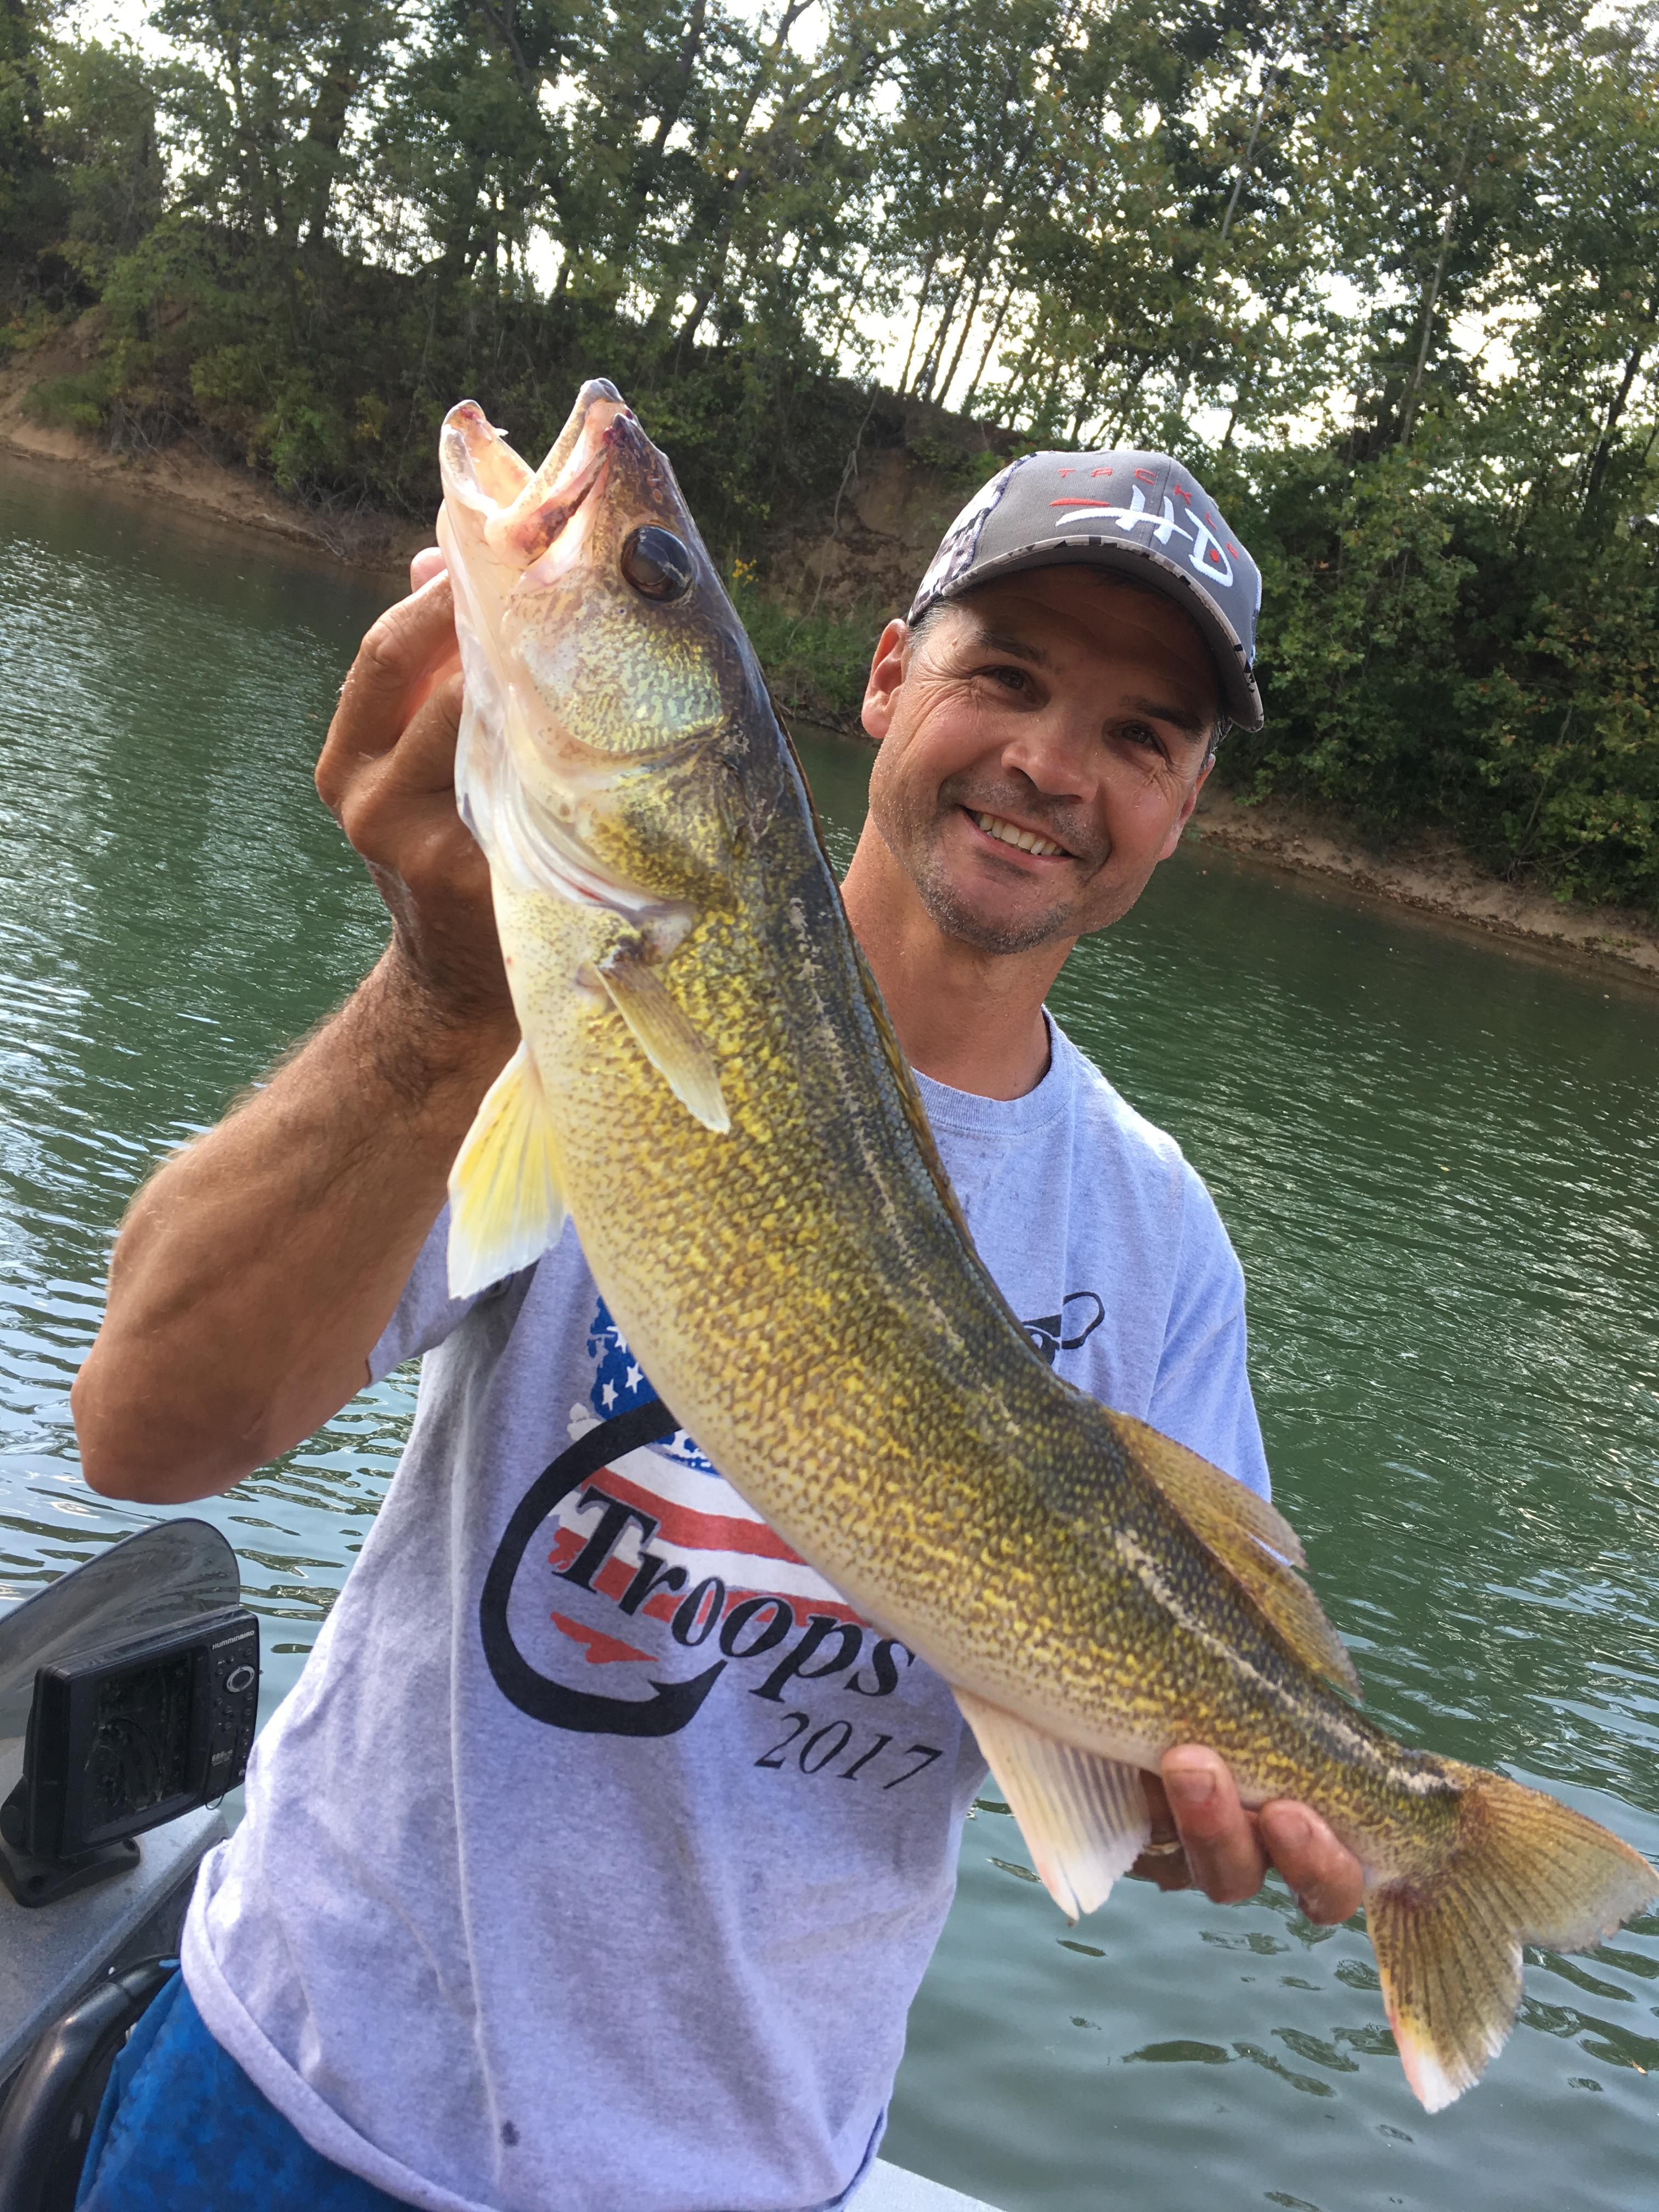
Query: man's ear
(887, 668)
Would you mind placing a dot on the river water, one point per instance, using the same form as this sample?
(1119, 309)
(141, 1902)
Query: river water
(1441, 1167)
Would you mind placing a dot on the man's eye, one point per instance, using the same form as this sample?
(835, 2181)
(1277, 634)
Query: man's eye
(1140, 733)
(1012, 680)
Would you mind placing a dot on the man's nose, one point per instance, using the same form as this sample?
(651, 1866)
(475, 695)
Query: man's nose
(1058, 752)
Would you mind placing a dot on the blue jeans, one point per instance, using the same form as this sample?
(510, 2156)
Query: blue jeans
(182, 2129)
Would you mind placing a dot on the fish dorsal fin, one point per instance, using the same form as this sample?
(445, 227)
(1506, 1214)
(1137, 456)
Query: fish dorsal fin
(666, 1037)
(1252, 1539)
(506, 1204)
(1084, 1818)
(1206, 1497)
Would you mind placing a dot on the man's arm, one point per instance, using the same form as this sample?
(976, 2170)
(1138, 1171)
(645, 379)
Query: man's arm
(257, 1269)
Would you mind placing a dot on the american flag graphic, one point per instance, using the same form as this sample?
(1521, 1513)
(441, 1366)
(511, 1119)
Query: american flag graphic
(659, 1524)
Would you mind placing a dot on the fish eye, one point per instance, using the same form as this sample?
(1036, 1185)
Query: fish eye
(657, 563)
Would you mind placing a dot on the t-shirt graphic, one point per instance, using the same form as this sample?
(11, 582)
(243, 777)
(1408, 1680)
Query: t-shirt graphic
(630, 1558)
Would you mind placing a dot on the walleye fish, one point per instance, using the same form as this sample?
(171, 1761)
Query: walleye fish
(709, 1084)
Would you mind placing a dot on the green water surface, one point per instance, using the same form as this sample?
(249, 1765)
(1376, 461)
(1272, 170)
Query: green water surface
(1439, 1162)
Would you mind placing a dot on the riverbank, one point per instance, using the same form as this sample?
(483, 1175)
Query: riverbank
(185, 477)
(880, 527)
(1434, 876)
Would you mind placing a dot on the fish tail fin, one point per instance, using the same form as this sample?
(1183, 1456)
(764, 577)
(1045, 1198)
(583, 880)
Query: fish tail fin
(1522, 1868)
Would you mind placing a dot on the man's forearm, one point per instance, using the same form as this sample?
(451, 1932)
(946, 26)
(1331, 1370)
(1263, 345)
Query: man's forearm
(257, 1269)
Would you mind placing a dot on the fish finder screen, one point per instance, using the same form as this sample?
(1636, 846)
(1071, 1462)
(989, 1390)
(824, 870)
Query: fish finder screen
(140, 1748)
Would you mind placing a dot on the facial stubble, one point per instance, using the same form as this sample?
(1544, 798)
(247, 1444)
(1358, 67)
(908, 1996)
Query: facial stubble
(956, 917)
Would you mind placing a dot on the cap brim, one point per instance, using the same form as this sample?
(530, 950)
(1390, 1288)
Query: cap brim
(1240, 699)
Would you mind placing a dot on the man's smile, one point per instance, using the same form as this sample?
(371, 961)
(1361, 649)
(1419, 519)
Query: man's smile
(1012, 833)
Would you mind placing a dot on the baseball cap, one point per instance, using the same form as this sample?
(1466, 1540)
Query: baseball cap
(1142, 514)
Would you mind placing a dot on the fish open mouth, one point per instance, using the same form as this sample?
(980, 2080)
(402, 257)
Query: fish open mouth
(532, 531)
(524, 513)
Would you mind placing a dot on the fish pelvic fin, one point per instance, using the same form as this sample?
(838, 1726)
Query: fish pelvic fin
(1522, 1868)
(666, 1037)
(1084, 1818)
(506, 1204)
(1252, 1539)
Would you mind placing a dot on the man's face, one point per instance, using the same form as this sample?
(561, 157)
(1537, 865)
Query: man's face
(1061, 707)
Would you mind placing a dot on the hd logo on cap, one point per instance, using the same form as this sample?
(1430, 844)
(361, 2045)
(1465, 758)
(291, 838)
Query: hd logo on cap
(1208, 555)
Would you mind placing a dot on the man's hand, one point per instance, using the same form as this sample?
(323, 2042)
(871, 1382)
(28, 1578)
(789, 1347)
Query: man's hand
(1203, 1838)
(387, 771)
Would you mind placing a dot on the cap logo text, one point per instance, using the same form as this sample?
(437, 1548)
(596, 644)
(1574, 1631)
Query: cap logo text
(1207, 557)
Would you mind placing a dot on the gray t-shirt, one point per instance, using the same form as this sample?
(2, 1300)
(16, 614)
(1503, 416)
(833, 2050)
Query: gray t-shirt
(593, 1863)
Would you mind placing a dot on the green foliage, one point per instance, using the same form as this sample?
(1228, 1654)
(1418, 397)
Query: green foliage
(1427, 665)
(105, 154)
(74, 402)
(816, 663)
(31, 200)
(1386, 272)
(963, 465)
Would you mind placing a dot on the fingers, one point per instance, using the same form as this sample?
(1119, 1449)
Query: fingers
(424, 761)
(1163, 1862)
(1223, 1848)
(387, 772)
(1229, 1851)
(399, 811)
(404, 652)
(1327, 1879)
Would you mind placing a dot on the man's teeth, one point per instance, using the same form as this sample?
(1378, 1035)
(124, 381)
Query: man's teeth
(1027, 840)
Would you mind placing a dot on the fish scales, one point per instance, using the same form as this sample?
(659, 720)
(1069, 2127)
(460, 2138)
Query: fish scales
(709, 1085)
(904, 1443)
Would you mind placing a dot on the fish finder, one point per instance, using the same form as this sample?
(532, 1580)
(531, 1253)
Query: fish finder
(123, 1737)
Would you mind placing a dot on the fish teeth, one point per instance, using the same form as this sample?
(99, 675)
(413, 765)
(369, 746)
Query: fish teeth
(1026, 840)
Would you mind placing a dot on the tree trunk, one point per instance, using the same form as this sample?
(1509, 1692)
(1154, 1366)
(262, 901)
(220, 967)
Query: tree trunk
(1126, 400)
(499, 15)
(343, 76)
(929, 367)
(648, 166)
(1616, 407)
(1414, 390)
(985, 358)
(950, 376)
(1239, 182)
(915, 327)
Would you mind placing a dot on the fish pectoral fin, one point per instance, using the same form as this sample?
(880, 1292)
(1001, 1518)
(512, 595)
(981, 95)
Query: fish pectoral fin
(666, 1037)
(506, 1206)
(1084, 1818)
(1253, 1541)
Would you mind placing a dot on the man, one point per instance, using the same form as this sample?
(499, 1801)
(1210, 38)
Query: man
(594, 1861)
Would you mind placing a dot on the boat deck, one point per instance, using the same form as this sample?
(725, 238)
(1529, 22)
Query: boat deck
(890, 2189)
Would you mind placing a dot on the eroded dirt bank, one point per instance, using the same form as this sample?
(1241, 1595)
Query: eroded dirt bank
(186, 478)
(1432, 876)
